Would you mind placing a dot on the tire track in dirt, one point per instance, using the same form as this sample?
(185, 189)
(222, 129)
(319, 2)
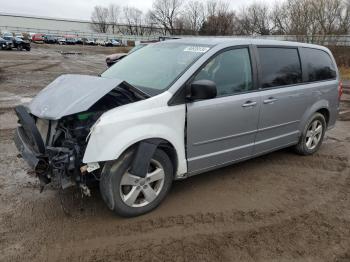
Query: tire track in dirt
(32, 61)
(46, 67)
(317, 161)
(311, 235)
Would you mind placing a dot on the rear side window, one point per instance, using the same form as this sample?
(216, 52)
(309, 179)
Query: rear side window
(318, 65)
(279, 66)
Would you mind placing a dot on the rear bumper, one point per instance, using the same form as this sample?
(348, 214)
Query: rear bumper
(28, 154)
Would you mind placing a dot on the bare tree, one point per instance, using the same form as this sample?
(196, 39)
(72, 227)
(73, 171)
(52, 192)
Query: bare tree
(220, 19)
(329, 15)
(309, 18)
(255, 19)
(133, 18)
(194, 15)
(280, 18)
(114, 17)
(99, 19)
(165, 13)
(344, 23)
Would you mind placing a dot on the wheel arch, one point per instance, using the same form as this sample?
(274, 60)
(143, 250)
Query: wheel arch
(322, 107)
(326, 114)
(162, 144)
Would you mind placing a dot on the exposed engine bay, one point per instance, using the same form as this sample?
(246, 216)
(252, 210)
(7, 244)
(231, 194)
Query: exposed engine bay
(55, 147)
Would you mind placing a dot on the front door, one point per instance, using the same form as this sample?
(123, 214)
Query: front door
(222, 130)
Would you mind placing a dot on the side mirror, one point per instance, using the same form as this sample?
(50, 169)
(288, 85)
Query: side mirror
(202, 89)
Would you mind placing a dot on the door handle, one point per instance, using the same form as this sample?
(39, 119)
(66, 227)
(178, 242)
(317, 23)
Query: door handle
(249, 104)
(270, 100)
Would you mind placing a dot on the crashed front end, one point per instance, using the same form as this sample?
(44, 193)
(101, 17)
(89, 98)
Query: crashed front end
(54, 128)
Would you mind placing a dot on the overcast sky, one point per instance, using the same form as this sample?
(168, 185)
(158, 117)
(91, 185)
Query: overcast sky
(80, 9)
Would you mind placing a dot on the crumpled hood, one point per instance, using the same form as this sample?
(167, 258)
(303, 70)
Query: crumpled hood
(70, 94)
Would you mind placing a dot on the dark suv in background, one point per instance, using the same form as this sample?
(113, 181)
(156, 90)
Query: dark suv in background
(18, 43)
(50, 39)
(5, 44)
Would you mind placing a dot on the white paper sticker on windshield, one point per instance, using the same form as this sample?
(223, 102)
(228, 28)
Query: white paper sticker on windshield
(197, 49)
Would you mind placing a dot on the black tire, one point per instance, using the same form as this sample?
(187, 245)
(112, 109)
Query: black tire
(19, 47)
(111, 179)
(301, 148)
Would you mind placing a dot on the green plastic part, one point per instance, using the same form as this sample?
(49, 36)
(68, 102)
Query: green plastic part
(84, 116)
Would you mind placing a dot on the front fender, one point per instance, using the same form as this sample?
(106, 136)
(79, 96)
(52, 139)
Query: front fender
(120, 129)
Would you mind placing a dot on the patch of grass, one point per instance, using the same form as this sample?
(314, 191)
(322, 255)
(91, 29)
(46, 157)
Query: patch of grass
(344, 72)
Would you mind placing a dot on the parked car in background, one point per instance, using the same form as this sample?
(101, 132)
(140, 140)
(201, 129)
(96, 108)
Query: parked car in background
(100, 42)
(114, 58)
(112, 42)
(19, 35)
(89, 41)
(50, 39)
(61, 40)
(31, 35)
(7, 34)
(71, 40)
(18, 43)
(5, 44)
(79, 41)
(38, 38)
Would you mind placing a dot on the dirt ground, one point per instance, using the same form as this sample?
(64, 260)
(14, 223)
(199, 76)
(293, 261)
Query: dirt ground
(279, 207)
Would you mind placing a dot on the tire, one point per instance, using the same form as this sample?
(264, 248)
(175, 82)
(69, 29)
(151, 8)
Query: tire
(19, 47)
(304, 147)
(118, 194)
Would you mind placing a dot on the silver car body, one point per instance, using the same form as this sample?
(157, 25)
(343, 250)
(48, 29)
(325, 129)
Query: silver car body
(212, 133)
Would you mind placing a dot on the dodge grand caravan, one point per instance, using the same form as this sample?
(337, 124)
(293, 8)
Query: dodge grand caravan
(176, 109)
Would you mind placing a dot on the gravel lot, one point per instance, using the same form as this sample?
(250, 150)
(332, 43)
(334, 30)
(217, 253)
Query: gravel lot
(279, 207)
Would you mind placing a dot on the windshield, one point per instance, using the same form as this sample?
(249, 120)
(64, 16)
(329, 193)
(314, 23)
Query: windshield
(154, 68)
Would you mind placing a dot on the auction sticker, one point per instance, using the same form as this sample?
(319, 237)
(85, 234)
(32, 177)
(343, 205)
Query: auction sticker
(196, 49)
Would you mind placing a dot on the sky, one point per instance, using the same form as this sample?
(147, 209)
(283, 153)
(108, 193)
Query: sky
(81, 9)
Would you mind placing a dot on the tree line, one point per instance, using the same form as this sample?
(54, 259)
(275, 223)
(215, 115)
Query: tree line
(216, 17)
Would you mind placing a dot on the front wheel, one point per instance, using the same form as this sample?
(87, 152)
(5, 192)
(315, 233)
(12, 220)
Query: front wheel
(129, 195)
(312, 136)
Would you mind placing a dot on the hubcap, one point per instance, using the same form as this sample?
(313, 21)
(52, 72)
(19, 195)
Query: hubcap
(138, 191)
(314, 134)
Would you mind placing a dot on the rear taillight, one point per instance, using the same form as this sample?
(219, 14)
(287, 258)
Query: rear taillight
(340, 90)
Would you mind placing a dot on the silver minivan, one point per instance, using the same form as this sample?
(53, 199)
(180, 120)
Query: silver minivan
(176, 109)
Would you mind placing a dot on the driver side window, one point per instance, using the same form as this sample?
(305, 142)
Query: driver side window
(231, 71)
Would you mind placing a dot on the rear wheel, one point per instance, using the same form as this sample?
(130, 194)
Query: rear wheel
(312, 137)
(129, 195)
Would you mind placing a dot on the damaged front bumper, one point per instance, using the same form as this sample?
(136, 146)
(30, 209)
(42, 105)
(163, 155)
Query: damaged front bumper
(25, 150)
(59, 164)
(38, 162)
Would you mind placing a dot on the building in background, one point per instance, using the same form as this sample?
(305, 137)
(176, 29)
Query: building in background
(16, 23)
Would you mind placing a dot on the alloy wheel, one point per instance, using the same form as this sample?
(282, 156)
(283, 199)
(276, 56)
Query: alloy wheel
(137, 191)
